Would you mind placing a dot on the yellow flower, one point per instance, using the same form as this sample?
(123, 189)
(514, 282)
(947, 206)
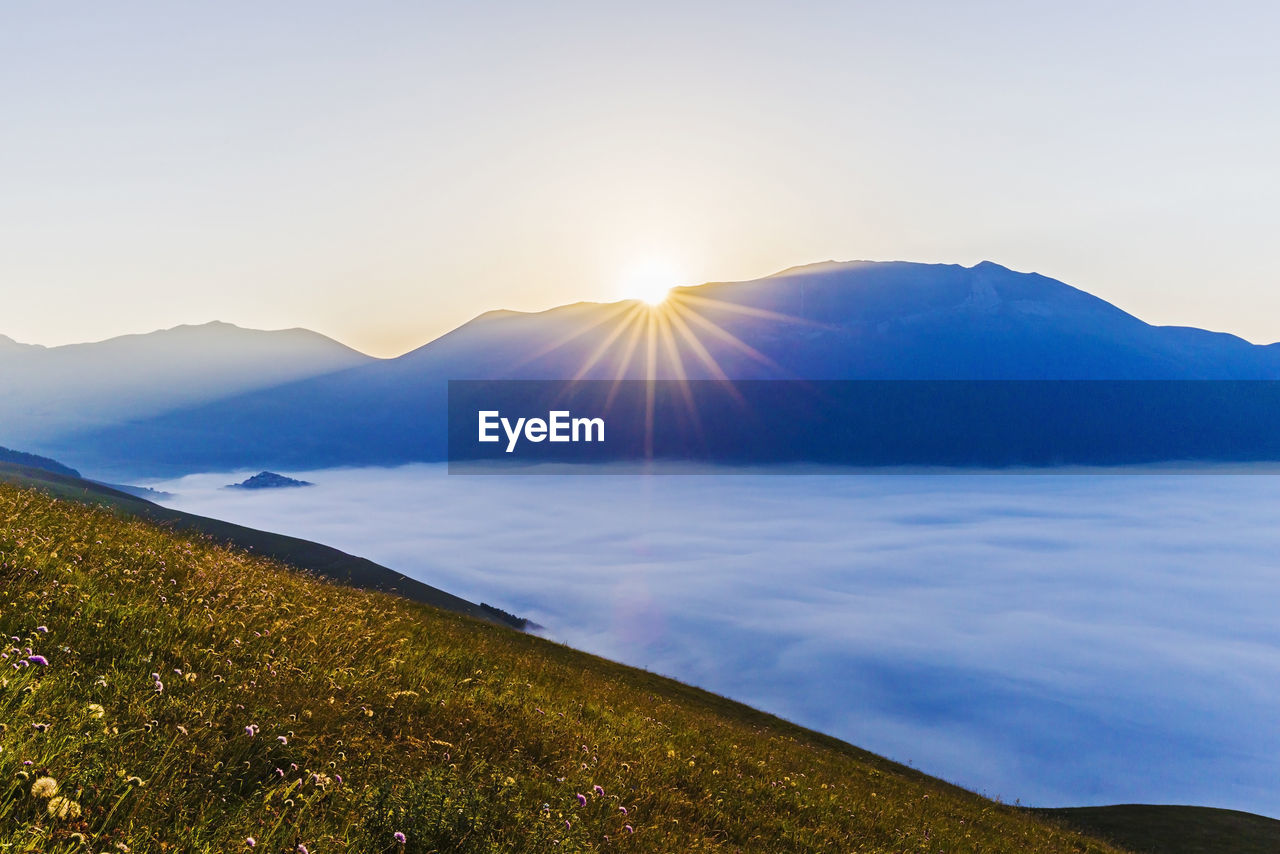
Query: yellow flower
(95, 710)
(44, 787)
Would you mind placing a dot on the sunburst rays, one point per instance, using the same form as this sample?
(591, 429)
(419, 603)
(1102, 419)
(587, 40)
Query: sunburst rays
(672, 340)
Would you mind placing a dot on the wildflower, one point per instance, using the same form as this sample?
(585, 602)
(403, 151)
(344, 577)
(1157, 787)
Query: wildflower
(251, 730)
(599, 790)
(94, 710)
(61, 807)
(250, 841)
(44, 787)
(582, 799)
(622, 810)
(628, 828)
(302, 849)
(135, 781)
(282, 739)
(38, 659)
(399, 837)
(44, 630)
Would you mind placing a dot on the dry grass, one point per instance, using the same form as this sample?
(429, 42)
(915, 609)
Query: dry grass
(195, 697)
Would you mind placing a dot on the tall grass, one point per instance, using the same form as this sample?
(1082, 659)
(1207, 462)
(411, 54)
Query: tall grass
(199, 699)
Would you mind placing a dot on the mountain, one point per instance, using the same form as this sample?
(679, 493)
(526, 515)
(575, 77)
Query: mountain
(320, 560)
(269, 480)
(48, 392)
(178, 695)
(1172, 829)
(833, 321)
(858, 320)
(267, 704)
(21, 458)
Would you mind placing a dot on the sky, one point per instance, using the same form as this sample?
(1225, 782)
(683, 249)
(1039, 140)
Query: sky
(1052, 638)
(381, 172)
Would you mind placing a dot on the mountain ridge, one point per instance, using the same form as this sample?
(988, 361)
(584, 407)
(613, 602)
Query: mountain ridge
(832, 321)
(48, 392)
(179, 329)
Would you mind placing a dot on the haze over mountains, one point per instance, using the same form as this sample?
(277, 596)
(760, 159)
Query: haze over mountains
(49, 392)
(830, 321)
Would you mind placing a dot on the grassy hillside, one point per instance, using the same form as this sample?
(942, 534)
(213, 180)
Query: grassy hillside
(21, 458)
(1176, 829)
(303, 554)
(188, 697)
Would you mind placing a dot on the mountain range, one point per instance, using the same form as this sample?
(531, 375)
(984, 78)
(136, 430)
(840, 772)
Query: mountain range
(323, 405)
(50, 392)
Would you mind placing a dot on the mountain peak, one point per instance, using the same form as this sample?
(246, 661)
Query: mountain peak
(9, 344)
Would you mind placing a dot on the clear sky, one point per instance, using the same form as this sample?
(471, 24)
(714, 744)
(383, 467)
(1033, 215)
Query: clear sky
(381, 172)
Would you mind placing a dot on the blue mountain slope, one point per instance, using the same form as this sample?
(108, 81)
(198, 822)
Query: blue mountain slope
(860, 320)
(50, 392)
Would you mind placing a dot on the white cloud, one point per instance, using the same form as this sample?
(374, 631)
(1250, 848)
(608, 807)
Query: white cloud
(1062, 640)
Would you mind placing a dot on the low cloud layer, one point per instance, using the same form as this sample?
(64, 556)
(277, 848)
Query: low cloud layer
(1057, 639)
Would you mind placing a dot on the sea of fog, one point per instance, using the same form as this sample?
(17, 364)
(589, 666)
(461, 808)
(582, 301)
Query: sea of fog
(1054, 639)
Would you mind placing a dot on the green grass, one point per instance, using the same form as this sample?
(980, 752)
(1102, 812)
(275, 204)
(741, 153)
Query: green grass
(375, 715)
(1175, 829)
(322, 560)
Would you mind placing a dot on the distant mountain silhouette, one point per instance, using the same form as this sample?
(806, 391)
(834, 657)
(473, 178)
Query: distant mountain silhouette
(830, 321)
(49, 392)
(269, 480)
(21, 458)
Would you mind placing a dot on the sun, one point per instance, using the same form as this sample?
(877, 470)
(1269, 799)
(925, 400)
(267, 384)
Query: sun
(649, 282)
